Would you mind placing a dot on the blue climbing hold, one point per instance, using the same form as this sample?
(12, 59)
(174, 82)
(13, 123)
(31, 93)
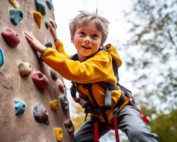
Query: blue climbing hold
(19, 107)
(40, 6)
(16, 16)
(1, 57)
(49, 4)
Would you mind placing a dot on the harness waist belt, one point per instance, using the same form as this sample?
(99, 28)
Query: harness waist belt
(101, 110)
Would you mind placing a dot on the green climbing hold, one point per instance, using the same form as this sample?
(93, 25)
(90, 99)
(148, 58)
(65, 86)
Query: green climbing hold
(46, 24)
(49, 4)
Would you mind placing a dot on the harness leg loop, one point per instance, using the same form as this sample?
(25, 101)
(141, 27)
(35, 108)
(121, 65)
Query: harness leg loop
(96, 134)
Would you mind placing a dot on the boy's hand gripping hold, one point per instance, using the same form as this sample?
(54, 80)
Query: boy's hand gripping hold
(34, 42)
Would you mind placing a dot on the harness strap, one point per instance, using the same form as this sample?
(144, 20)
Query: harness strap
(108, 100)
(115, 123)
(132, 102)
(91, 95)
(96, 134)
(144, 118)
(115, 119)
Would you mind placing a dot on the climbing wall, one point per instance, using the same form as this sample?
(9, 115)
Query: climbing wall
(33, 102)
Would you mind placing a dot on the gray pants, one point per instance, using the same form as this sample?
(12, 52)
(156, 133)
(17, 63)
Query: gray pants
(129, 121)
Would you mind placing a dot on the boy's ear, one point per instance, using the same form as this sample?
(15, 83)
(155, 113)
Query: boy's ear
(101, 46)
(72, 39)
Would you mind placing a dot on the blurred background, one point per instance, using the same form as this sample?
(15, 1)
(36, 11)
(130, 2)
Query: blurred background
(145, 35)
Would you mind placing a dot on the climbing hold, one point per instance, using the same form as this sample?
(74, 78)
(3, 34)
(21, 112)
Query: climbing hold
(46, 24)
(41, 114)
(58, 133)
(54, 74)
(16, 16)
(54, 105)
(69, 126)
(1, 57)
(48, 43)
(38, 18)
(61, 85)
(40, 6)
(49, 4)
(14, 3)
(25, 68)
(64, 103)
(40, 79)
(19, 107)
(10, 37)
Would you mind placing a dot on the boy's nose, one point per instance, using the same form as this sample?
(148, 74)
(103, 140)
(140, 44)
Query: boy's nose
(87, 41)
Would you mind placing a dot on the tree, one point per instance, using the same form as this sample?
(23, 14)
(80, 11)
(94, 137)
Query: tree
(166, 126)
(78, 116)
(151, 51)
(151, 60)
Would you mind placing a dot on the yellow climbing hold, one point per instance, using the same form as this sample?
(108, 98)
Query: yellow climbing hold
(14, 3)
(38, 18)
(58, 134)
(54, 105)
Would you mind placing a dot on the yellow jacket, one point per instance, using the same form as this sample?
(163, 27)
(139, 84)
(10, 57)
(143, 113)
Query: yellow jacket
(95, 69)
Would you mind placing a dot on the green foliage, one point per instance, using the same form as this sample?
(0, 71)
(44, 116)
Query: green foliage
(166, 127)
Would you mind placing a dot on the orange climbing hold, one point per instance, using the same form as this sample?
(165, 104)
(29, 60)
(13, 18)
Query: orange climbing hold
(61, 85)
(54, 105)
(58, 134)
(14, 3)
(38, 18)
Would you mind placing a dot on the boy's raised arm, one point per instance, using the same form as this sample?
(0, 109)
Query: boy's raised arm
(58, 43)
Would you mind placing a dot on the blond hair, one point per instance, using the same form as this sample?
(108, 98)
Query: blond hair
(85, 17)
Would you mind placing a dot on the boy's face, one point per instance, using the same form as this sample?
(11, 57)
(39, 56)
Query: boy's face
(87, 40)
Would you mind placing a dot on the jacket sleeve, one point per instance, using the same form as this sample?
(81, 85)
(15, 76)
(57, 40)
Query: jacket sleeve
(60, 48)
(95, 69)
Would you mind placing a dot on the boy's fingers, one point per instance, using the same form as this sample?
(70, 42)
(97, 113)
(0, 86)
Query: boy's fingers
(54, 25)
(50, 25)
(28, 36)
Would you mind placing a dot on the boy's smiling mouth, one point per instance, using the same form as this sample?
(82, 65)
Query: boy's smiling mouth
(86, 47)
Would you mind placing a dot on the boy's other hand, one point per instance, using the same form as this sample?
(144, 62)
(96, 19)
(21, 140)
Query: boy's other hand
(53, 27)
(34, 42)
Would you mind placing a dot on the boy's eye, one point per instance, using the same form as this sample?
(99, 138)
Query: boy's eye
(94, 35)
(82, 33)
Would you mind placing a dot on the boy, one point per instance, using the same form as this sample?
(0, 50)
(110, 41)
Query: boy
(92, 65)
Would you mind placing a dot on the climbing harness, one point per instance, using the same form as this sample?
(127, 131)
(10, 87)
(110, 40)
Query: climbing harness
(97, 110)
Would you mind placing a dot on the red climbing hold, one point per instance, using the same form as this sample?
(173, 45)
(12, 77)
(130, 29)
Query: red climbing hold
(10, 37)
(40, 79)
